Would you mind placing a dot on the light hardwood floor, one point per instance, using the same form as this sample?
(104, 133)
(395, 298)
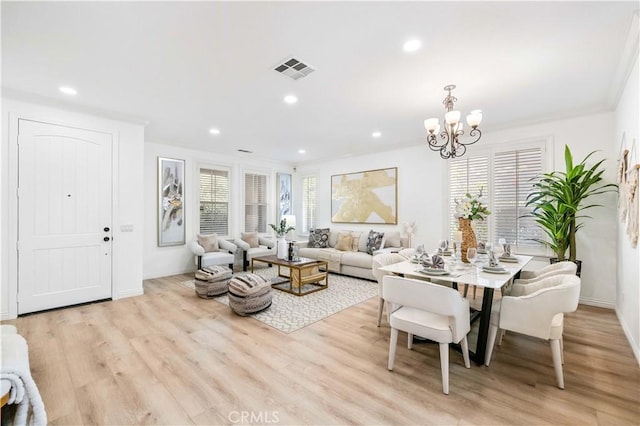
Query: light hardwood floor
(169, 357)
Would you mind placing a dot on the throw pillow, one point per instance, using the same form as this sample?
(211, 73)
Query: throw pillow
(374, 241)
(209, 242)
(355, 241)
(392, 239)
(250, 238)
(344, 242)
(319, 238)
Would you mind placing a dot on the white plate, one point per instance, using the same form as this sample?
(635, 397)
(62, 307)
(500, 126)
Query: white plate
(494, 270)
(434, 271)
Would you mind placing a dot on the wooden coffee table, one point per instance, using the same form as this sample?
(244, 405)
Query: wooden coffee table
(305, 275)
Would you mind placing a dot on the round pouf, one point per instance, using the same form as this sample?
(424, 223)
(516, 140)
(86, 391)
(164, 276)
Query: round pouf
(212, 281)
(249, 294)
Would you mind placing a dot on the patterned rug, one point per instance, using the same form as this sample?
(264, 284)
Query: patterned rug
(289, 313)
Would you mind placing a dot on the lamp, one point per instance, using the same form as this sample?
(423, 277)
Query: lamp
(450, 145)
(291, 220)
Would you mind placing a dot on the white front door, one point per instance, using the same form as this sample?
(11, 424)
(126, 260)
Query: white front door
(64, 215)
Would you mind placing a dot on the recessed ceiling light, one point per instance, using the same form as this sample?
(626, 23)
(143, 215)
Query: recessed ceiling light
(376, 134)
(412, 45)
(214, 131)
(68, 90)
(301, 151)
(291, 99)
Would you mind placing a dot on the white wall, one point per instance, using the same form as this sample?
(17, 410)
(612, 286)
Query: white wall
(127, 193)
(627, 123)
(172, 260)
(422, 186)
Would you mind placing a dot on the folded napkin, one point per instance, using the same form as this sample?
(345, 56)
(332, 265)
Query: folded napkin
(481, 245)
(507, 250)
(435, 262)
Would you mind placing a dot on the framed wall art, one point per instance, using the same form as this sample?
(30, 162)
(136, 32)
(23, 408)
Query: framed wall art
(365, 197)
(171, 229)
(284, 195)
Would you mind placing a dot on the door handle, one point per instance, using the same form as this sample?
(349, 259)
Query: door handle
(106, 238)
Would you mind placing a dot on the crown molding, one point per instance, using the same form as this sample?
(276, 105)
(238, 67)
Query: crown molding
(628, 59)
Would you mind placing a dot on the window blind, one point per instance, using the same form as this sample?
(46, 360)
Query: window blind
(468, 175)
(255, 202)
(514, 173)
(214, 201)
(506, 176)
(309, 195)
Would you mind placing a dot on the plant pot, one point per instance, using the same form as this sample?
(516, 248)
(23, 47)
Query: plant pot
(577, 262)
(468, 237)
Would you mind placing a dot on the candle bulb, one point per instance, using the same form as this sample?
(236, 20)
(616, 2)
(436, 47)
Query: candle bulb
(457, 236)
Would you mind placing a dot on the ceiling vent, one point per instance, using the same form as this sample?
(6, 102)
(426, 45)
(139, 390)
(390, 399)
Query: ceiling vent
(294, 68)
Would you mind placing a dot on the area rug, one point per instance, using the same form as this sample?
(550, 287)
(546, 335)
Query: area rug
(289, 313)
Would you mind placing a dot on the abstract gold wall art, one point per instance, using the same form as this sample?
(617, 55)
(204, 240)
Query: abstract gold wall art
(365, 197)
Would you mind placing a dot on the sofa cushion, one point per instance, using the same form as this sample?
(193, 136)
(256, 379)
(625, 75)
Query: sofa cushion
(344, 242)
(357, 259)
(357, 239)
(209, 242)
(374, 241)
(319, 238)
(250, 238)
(391, 239)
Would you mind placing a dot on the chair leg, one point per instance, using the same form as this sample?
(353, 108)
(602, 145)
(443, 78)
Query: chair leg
(444, 366)
(380, 308)
(466, 289)
(393, 342)
(475, 287)
(465, 351)
(409, 341)
(502, 333)
(562, 350)
(491, 340)
(556, 353)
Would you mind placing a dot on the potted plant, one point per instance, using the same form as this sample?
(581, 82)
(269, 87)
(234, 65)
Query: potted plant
(281, 231)
(558, 198)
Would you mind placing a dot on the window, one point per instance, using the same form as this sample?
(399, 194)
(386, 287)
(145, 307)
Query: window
(309, 191)
(506, 175)
(214, 201)
(255, 202)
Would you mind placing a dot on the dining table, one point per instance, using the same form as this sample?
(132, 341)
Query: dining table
(456, 273)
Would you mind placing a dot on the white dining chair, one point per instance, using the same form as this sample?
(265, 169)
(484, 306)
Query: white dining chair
(430, 311)
(539, 312)
(377, 262)
(564, 267)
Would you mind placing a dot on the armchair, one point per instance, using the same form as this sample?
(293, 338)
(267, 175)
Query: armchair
(538, 313)
(224, 256)
(431, 311)
(266, 247)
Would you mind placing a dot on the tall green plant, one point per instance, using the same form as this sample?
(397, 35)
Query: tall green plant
(558, 197)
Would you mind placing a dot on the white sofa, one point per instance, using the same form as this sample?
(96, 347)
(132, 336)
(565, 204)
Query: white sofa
(354, 263)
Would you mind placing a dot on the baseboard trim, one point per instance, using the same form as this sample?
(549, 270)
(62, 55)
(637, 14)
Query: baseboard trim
(131, 293)
(597, 303)
(635, 347)
(5, 316)
(150, 276)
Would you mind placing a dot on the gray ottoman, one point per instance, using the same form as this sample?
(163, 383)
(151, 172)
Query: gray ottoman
(212, 281)
(249, 294)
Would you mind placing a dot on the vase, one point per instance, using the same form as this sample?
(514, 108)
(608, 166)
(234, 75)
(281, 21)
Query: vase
(282, 248)
(468, 237)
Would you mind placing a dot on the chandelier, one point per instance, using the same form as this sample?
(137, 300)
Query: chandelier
(450, 145)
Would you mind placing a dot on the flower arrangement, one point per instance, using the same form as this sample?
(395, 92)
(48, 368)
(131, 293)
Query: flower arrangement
(281, 229)
(471, 207)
